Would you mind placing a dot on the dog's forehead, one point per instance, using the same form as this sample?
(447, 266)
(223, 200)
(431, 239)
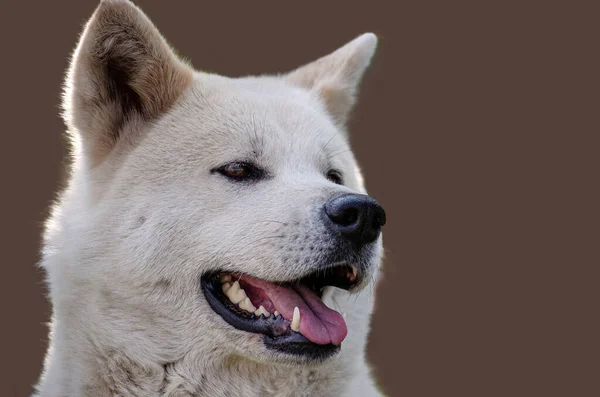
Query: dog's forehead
(261, 115)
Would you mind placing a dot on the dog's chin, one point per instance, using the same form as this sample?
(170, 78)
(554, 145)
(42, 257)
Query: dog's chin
(292, 321)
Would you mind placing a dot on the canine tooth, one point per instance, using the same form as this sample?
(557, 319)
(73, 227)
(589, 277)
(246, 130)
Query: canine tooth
(296, 320)
(262, 310)
(276, 313)
(226, 287)
(235, 293)
(247, 305)
(225, 278)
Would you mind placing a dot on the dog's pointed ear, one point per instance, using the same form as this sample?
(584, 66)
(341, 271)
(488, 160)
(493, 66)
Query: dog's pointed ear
(335, 78)
(122, 73)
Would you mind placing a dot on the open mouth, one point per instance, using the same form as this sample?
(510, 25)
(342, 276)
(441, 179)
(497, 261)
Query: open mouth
(291, 315)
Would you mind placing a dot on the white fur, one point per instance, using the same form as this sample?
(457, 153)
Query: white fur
(140, 221)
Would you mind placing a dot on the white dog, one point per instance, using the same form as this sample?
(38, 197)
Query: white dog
(215, 237)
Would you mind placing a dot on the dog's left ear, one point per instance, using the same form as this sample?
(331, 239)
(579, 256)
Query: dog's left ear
(335, 78)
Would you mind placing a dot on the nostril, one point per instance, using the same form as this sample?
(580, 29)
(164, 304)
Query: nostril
(348, 217)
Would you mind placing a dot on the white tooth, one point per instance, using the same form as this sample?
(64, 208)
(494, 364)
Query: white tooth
(354, 271)
(232, 291)
(225, 278)
(296, 320)
(276, 313)
(226, 287)
(247, 305)
(262, 310)
(241, 295)
(235, 293)
(243, 304)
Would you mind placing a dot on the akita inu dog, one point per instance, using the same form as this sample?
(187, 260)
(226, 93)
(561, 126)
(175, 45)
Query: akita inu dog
(215, 237)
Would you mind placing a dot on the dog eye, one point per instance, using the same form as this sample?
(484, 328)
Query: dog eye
(239, 171)
(334, 176)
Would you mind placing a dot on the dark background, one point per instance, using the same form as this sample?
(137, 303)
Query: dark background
(477, 130)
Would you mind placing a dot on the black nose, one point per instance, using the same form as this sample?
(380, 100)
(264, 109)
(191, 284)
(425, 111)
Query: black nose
(358, 217)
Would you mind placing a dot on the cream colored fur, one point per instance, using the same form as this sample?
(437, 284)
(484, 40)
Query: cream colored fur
(143, 217)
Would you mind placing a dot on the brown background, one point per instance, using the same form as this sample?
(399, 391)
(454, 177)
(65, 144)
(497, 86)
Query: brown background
(476, 129)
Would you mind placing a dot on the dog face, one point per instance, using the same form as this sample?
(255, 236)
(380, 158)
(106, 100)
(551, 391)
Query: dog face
(209, 215)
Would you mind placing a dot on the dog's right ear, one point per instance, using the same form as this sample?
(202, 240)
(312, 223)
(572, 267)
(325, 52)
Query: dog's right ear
(123, 73)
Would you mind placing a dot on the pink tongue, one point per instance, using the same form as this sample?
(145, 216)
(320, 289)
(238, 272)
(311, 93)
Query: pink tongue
(318, 323)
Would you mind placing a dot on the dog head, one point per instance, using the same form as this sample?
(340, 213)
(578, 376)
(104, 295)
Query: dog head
(205, 212)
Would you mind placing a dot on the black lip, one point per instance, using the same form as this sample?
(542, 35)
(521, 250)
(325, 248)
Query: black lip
(296, 344)
(277, 333)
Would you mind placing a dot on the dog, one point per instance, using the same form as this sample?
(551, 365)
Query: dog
(215, 237)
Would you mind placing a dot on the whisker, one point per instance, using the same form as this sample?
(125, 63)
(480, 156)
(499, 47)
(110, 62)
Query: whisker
(338, 153)
(335, 302)
(343, 145)
(255, 242)
(267, 221)
(356, 296)
(151, 292)
(244, 247)
(372, 285)
(330, 139)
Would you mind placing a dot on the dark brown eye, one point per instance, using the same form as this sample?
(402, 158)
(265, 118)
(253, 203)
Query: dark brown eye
(235, 170)
(334, 176)
(240, 171)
